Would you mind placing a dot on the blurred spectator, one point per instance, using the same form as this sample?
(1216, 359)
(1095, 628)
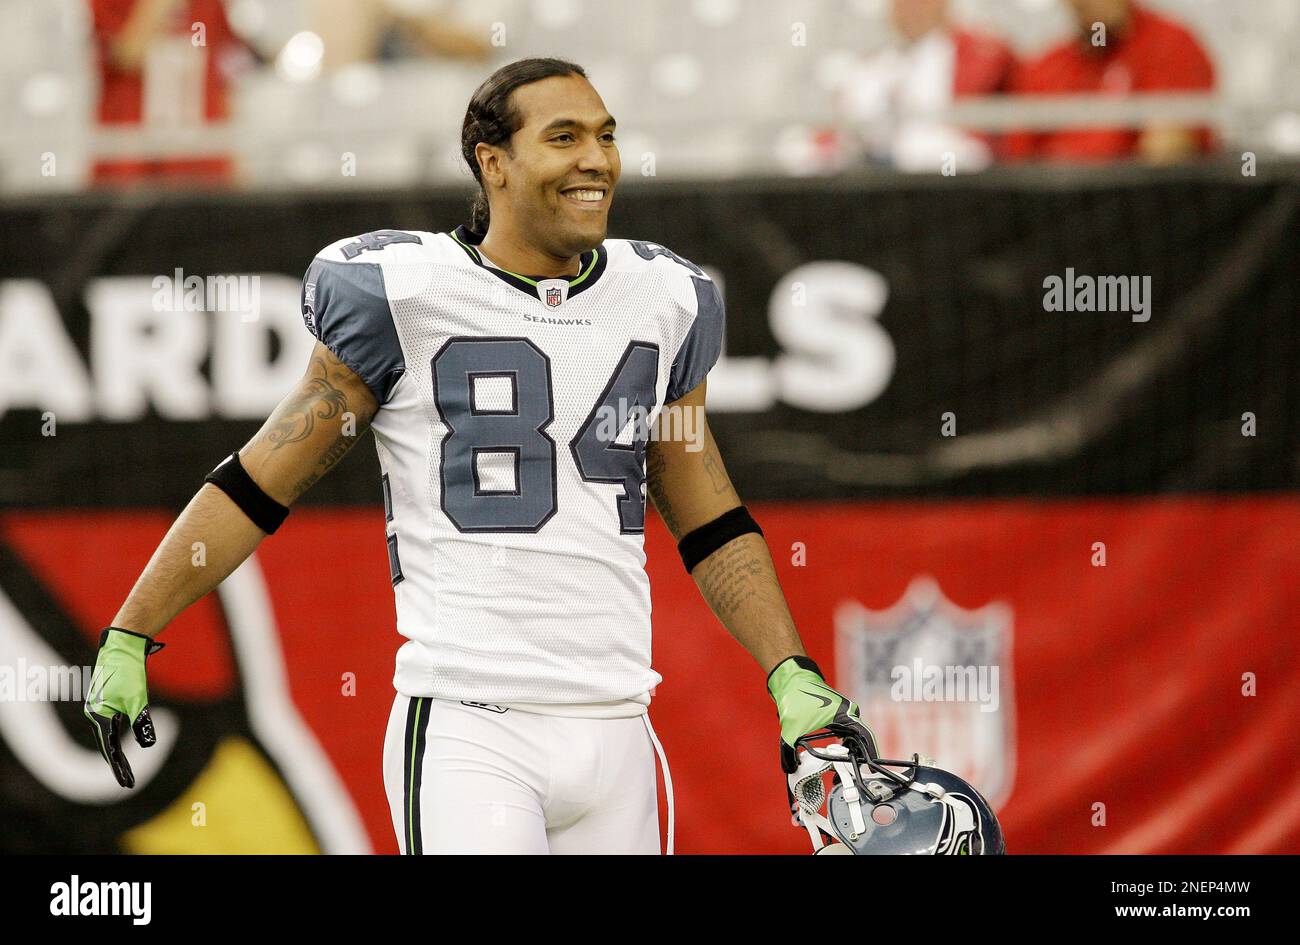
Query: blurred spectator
(890, 99)
(371, 30)
(164, 64)
(1143, 52)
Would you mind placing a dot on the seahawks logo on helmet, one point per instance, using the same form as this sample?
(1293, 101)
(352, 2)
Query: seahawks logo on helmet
(960, 832)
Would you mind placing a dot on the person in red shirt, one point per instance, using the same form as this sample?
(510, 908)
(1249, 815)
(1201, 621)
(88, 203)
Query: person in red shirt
(982, 64)
(890, 97)
(1143, 52)
(155, 72)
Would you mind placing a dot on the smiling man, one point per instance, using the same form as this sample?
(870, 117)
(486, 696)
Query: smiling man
(492, 362)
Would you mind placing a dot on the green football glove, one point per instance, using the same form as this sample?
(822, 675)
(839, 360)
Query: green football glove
(119, 697)
(805, 704)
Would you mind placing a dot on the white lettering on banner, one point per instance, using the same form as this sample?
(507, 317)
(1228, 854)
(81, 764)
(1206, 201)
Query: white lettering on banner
(835, 356)
(141, 357)
(39, 365)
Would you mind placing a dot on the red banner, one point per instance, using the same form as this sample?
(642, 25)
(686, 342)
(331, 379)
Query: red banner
(1133, 668)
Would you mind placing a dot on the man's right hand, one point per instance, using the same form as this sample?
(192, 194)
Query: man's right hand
(119, 697)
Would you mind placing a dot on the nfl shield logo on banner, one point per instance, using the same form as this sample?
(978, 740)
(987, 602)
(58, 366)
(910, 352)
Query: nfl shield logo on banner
(934, 679)
(553, 297)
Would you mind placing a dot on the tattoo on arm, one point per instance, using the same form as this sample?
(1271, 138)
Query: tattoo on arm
(740, 585)
(315, 399)
(655, 466)
(333, 453)
(726, 578)
(717, 474)
(321, 397)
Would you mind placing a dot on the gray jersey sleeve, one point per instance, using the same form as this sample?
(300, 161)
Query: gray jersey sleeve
(345, 306)
(703, 344)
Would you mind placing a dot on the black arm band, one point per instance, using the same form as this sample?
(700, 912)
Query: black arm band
(232, 479)
(706, 539)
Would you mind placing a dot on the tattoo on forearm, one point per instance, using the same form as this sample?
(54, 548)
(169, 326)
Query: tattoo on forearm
(740, 585)
(318, 399)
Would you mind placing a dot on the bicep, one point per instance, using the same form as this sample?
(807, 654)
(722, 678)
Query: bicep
(685, 474)
(311, 429)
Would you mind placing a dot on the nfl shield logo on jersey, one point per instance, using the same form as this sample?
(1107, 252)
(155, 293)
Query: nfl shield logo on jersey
(553, 292)
(934, 678)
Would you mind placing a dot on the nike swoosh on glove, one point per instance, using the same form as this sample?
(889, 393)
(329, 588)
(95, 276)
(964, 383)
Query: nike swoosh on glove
(805, 703)
(119, 696)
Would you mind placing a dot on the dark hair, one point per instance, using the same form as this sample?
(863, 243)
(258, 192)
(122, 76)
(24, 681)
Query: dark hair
(492, 118)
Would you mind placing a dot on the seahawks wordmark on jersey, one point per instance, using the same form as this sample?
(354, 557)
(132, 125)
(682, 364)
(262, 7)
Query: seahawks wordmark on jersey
(514, 521)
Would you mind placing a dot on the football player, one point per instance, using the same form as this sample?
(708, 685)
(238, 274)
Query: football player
(506, 368)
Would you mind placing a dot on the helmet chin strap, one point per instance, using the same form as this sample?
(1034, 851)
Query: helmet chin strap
(810, 794)
(848, 777)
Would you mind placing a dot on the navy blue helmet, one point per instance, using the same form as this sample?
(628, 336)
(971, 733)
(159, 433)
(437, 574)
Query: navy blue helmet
(879, 806)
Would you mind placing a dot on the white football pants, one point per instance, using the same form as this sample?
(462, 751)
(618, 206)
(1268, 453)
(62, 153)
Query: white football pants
(465, 778)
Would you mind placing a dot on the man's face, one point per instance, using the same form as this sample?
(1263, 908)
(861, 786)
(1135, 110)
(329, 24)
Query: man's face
(562, 166)
(1113, 13)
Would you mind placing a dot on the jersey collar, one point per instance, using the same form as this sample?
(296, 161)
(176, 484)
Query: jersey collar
(591, 268)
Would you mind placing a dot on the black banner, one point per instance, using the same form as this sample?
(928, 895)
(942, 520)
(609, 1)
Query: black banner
(1012, 333)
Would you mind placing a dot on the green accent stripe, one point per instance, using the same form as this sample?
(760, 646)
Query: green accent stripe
(477, 257)
(586, 272)
(410, 790)
(574, 280)
(473, 253)
(531, 282)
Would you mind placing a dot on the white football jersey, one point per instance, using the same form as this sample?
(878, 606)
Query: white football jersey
(515, 513)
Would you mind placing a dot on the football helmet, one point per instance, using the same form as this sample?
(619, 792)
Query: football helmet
(872, 808)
